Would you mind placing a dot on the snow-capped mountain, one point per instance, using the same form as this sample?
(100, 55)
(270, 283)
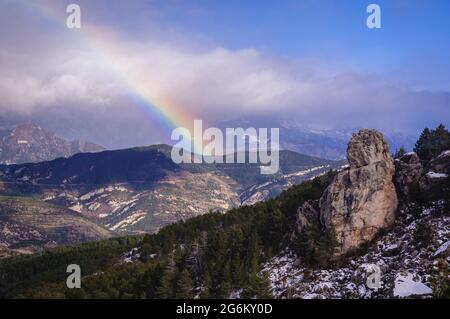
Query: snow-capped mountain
(323, 143)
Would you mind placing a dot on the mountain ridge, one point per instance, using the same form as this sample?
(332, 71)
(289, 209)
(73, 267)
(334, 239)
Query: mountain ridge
(324, 143)
(31, 143)
(141, 189)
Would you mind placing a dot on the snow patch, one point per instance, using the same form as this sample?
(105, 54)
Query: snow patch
(442, 249)
(77, 207)
(405, 286)
(436, 175)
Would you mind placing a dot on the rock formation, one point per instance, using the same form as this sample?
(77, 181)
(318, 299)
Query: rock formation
(408, 170)
(437, 169)
(306, 214)
(441, 164)
(362, 199)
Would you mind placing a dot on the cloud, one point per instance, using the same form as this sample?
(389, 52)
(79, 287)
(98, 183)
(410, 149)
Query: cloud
(83, 87)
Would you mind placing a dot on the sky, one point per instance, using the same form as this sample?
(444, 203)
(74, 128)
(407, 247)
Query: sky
(137, 69)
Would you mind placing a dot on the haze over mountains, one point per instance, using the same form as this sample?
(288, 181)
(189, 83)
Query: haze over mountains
(32, 143)
(325, 143)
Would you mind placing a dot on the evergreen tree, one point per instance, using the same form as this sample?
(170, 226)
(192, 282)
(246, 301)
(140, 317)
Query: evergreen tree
(258, 287)
(167, 286)
(195, 261)
(432, 142)
(206, 293)
(151, 280)
(400, 152)
(146, 248)
(184, 285)
(315, 246)
(253, 253)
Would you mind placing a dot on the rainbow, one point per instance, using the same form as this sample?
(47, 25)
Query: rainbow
(168, 113)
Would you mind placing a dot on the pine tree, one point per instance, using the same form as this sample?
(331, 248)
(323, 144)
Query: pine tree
(400, 152)
(237, 270)
(195, 261)
(431, 143)
(166, 289)
(253, 252)
(216, 256)
(184, 285)
(206, 292)
(167, 286)
(258, 287)
(151, 281)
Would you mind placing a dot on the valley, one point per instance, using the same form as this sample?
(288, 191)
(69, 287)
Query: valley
(140, 190)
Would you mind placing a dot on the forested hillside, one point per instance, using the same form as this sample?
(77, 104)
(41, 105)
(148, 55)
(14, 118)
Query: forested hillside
(209, 256)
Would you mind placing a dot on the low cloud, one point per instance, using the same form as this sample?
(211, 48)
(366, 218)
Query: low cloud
(81, 88)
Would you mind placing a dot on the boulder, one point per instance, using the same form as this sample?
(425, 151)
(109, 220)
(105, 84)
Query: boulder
(441, 164)
(408, 170)
(437, 169)
(306, 214)
(362, 199)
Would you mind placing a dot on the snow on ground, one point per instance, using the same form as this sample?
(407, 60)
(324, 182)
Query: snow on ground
(406, 269)
(132, 255)
(304, 172)
(236, 294)
(77, 207)
(406, 286)
(436, 175)
(444, 247)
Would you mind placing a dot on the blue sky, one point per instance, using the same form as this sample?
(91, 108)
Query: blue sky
(312, 60)
(414, 36)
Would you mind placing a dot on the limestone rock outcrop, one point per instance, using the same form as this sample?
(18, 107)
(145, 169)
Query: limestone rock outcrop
(441, 163)
(408, 171)
(367, 147)
(362, 199)
(437, 169)
(307, 214)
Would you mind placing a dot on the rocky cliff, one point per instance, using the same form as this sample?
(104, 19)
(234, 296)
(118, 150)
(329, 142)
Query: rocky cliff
(362, 199)
(413, 253)
(408, 171)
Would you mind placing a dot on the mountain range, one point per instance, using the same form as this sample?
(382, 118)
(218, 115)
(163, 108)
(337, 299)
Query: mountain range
(323, 143)
(26, 143)
(140, 190)
(31, 143)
